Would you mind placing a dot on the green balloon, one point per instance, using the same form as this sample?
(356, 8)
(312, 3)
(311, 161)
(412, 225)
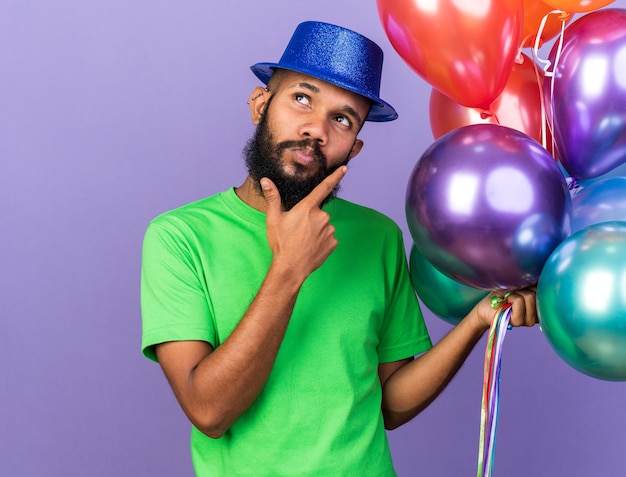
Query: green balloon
(445, 297)
(581, 300)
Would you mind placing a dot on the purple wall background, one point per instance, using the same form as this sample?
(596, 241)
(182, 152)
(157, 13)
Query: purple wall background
(114, 111)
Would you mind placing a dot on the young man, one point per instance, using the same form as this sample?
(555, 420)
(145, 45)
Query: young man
(283, 317)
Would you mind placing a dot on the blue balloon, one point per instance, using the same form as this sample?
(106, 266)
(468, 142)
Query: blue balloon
(581, 301)
(601, 201)
(619, 171)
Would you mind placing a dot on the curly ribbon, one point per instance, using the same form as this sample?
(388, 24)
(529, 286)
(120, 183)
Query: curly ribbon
(563, 16)
(491, 386)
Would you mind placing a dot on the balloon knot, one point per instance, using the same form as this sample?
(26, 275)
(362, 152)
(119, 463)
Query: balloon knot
(564, 16)
(572, 183)
(497, 302)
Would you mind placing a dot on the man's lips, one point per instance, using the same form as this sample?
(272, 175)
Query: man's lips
(304, 156)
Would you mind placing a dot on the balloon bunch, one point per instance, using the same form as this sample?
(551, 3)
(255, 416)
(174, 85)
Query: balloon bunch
(525, 183)
(492, 198)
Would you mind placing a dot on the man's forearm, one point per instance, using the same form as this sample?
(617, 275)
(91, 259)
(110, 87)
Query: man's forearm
(414, 386)
(217, 390)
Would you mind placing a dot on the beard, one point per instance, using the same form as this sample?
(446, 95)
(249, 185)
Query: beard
(263, 159)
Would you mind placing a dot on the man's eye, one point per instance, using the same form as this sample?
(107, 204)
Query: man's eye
(302, 98)
(343, 120)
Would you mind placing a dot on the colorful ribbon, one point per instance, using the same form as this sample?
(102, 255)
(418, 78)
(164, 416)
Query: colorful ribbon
(491, 387)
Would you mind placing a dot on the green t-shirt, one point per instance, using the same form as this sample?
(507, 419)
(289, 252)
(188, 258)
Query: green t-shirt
(319, 413)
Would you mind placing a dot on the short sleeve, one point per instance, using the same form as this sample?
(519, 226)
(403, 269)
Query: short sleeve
(174, 304)
(404, 333)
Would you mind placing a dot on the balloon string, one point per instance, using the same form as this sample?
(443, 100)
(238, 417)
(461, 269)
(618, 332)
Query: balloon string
(564, 16)
(491, 391)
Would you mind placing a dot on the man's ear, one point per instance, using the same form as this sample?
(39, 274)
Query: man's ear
(356, 148)
(257, 101)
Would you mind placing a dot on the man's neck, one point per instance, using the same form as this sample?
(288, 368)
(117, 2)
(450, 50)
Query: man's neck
(249, 193)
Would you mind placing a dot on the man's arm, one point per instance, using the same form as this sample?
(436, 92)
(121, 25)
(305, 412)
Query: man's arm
(215, 386)
(409, 386)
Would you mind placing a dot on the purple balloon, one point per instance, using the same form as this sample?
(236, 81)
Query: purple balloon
(487, 205)
(601, 201)
(588, 100)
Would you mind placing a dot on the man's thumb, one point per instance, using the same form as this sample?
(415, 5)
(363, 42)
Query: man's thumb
(271, 194)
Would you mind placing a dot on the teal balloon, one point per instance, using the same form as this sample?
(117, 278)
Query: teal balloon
(581, 300)
(445, 297)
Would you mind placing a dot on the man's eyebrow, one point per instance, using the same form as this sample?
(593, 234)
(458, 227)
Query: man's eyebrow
(309, 86)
